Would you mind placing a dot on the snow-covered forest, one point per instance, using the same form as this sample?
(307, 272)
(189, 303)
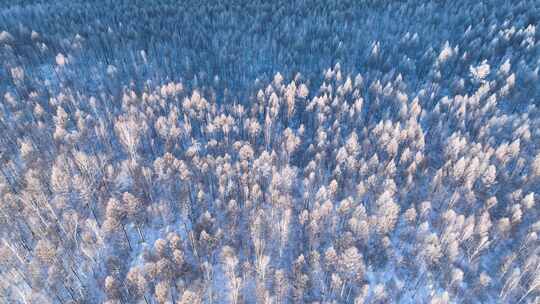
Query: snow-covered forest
(341, 151)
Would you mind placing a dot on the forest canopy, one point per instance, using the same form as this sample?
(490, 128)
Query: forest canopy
(269, 152)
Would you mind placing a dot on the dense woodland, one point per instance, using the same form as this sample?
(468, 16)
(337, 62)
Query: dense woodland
(269, 151)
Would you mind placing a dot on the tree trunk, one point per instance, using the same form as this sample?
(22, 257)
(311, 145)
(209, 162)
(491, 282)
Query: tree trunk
(127, 238)
(140, 233)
